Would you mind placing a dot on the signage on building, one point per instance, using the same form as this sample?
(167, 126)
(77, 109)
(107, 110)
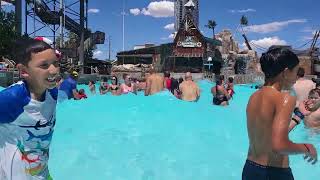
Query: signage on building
(189, 42)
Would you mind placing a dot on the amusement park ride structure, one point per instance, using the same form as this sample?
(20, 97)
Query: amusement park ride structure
(57, 16)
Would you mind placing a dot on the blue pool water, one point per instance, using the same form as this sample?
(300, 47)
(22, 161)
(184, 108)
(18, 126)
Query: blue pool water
(158, 138)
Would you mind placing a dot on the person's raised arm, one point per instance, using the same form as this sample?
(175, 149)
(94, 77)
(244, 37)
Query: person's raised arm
(280, 139)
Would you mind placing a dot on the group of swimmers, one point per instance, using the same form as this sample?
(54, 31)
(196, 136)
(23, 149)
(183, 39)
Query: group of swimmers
(28, 113)
(184, 89)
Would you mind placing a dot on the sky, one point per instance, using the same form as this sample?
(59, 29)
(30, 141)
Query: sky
(281, 22)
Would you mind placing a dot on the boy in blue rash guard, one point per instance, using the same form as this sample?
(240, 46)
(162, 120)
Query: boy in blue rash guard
(28, 114)
(68, 88)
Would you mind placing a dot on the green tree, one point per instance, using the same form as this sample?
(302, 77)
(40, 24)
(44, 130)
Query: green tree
(244, 22)
(8, 34)
(73, 41)
(211, 25)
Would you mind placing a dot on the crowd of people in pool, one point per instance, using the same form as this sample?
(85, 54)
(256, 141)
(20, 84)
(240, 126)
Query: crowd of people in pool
(28, 111)
(182, 88)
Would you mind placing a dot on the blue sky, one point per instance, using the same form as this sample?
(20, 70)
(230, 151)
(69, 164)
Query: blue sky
(289, 22)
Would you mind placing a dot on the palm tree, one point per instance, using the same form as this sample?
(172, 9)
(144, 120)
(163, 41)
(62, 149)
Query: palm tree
(244, 22)
(211, 25)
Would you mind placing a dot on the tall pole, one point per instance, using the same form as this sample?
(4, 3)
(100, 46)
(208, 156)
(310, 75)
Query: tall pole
(109, 48)
(18, 16)
(54, 26)
(61, 23)
(26, 18)
(81, 48)
(34, 18)
(123, 14)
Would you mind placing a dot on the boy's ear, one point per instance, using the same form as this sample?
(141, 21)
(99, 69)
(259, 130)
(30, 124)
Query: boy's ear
(23, 70)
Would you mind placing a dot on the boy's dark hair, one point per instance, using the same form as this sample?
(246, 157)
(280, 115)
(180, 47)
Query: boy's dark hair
(81, 91)
(25, 47)
(218, 82)
(92, 82)
(180, 80)
(276, 60)
(174, 85)
(300, 72)
(230, 79)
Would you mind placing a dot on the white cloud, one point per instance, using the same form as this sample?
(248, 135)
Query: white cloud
(171, 36)
(97, 54)
(169, 26)
(135, 11)
(266, 42)
(242, 10)
(308, 30)
(3, 3)
(273, 26)
(93, 10)
(158, 9)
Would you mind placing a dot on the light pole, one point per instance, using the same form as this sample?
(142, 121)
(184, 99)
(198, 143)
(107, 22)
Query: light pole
(209, 63)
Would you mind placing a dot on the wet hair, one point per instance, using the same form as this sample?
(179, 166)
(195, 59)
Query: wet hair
(300, 72)
(276, 60)
(174, 85)
(219, 82)
(314, 93)
(81, 91)
(166, 74)
(24, 48)
(91, 82)
(230, 79)
(180, 80)
(221, 77)
(115, 78)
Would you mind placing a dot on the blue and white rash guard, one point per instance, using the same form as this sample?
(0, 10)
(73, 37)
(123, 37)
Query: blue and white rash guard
(26, 128)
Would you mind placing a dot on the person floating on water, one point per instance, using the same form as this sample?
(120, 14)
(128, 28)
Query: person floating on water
(190, 91)
(68, 88)
(269, 112)
(28, 113)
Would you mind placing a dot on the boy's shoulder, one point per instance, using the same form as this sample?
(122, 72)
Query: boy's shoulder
(12, 101)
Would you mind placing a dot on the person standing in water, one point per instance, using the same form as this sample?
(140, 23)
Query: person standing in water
(269, 112)
(154, 83)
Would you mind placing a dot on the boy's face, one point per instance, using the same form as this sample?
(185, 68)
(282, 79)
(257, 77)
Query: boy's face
(42, 71)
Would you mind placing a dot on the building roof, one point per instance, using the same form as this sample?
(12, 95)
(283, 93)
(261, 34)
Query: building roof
(214, 42)
(190, 4)
(147, 50)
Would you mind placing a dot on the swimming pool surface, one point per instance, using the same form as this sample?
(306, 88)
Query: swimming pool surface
(158, 137)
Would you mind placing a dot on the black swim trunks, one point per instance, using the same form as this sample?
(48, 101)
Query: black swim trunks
(218, 101)
(254, 171)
